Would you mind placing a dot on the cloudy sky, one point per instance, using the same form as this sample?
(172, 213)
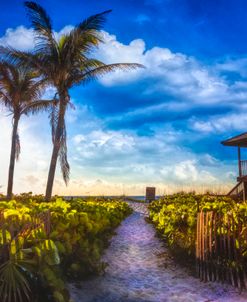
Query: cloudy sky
(158, 126)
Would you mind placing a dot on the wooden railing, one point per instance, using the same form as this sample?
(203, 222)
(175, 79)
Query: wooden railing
(238, 190)
(243, 168)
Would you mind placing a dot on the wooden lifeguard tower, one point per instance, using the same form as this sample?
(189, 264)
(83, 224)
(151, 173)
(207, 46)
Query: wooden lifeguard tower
(240, 190)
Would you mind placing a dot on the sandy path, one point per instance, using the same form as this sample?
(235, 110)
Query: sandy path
(140, 269)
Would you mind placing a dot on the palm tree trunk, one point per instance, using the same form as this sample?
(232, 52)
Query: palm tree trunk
(12, 159)
(55, 151)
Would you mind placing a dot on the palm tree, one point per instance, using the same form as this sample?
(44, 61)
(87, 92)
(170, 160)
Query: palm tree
(20, 92)
(64, 62)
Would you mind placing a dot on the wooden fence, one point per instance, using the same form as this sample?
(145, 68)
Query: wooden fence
(220, 245)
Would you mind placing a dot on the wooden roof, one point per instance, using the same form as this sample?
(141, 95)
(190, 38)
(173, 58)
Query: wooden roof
(238, 141)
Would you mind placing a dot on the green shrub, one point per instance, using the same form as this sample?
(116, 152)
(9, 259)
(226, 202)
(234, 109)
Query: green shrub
(41, 261)
(175, 216)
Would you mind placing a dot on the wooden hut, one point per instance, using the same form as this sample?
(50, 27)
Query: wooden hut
(240, 190)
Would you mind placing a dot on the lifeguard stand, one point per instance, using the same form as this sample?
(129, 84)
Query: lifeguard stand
(240, 190)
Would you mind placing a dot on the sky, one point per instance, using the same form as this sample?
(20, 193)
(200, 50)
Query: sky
(159, 126)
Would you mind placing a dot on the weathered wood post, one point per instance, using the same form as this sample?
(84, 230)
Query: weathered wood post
(150, 194)
(239, 162)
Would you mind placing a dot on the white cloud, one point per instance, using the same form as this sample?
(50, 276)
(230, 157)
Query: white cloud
(177, 74)
(103, 144)
(202, 126)
(188, 171)
(65, 30)
(182, 77)
(122, 161)
(107, 162)
(221, 124)
(22, 38)
(122, 156)
(238, 66)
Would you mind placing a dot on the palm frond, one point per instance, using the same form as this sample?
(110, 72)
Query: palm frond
(46, 44)
(84, 37)
(40, 20)
(94, 22)
(75, 46)
(65, 168)
(16, 57)
(14, 286)
(90, 64)
(10, 81)
(19, 86)
(32, 87)
(104, 69)
(54, 115)
(38, 106)
(17, 146)
(4, 98)
(71, 105)
(54, 118)
(8, 78)
(20, 90)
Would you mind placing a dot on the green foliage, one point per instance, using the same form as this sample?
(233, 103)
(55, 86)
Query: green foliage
(28, 196)
(34, 261)
(175, 216)
(14, 286)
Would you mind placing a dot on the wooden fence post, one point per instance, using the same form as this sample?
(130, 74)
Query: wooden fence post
(219, 249)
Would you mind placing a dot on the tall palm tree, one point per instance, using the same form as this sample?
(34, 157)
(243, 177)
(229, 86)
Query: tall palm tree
(20, 92)
(65, 62)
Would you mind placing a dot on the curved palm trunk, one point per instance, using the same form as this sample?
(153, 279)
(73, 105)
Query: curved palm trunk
(55, 151)
(12, 159)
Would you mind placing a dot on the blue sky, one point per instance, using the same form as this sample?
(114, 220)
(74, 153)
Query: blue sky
(160, 126)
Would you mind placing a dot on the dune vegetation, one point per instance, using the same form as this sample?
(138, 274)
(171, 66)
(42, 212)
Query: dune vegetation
(45, 244)
(176, 219)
